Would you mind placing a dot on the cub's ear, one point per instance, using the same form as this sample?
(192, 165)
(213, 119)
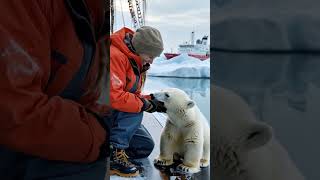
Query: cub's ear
(258, 135)
(190, 104)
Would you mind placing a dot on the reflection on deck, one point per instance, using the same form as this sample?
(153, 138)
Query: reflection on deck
(154, 123)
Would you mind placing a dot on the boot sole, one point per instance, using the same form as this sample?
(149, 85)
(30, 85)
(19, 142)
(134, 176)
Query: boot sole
(117, 172)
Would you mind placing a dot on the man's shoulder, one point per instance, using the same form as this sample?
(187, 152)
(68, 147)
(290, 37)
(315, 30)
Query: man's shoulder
(118, 57)
(117, 53)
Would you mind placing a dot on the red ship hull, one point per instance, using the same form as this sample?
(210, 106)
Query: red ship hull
(200, 57)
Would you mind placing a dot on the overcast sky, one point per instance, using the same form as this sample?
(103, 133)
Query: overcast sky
(175, 19)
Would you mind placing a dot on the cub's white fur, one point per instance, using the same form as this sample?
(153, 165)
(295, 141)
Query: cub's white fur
(186, 133)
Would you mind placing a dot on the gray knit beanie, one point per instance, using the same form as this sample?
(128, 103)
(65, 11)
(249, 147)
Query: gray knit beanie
(147, 40)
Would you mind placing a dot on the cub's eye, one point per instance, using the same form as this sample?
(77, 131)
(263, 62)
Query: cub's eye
(167, 95)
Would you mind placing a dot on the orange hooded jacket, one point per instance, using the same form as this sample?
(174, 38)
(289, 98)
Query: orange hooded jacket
(40, 53)
(123, 77)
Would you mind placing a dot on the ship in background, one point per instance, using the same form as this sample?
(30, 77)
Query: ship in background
(199, 50)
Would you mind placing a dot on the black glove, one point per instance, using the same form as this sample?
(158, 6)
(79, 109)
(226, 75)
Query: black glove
(145, 67)
(154, 105)
(152, 97)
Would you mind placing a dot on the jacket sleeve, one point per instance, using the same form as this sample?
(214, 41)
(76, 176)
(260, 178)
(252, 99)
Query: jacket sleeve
(31, 122)
(121, 99)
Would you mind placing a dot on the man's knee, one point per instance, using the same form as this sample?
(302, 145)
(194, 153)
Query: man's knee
(151, 144)
(141, 147)
(148, 147)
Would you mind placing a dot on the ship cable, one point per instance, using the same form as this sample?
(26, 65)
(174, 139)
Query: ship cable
(133, 16)
(140, 19)
(112, 15)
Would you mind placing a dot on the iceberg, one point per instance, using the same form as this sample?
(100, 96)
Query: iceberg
(182, 66)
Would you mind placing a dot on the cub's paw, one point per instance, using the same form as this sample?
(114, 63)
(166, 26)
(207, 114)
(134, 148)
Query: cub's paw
(185, 169)
(163, 162)
(177, 158)
(204, 163)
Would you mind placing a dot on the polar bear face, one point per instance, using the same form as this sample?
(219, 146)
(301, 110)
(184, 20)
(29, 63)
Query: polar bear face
(174, 99)
(236, 134)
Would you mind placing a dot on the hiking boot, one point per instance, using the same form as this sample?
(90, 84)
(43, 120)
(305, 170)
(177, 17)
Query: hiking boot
(120, 165)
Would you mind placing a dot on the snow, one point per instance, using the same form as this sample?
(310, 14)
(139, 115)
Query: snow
(180, 66)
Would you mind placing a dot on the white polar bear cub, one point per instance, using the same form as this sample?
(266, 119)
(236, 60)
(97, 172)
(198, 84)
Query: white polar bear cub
(186, 132)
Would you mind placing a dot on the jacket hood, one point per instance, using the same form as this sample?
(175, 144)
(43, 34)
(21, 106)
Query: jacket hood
(117, 40)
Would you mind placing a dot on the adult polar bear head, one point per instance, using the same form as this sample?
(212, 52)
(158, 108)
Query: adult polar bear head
(243, 147)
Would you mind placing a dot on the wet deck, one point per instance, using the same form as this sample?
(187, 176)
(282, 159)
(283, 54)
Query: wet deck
(154, 123)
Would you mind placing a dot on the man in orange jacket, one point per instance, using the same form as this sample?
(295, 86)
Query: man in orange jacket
(50, 70)
(131, 54)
